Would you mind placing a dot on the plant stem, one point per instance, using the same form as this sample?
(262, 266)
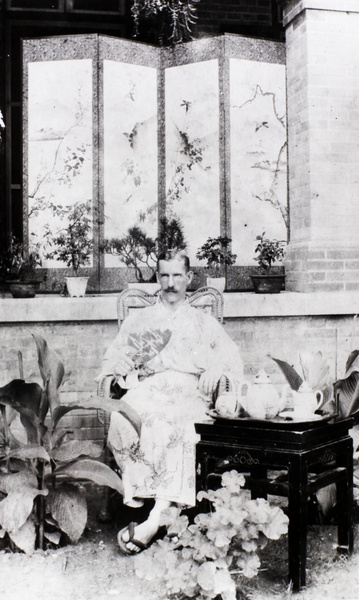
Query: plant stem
(21, 365)
(40, 507)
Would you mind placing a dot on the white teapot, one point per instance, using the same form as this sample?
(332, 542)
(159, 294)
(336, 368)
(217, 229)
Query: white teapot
(261, 400)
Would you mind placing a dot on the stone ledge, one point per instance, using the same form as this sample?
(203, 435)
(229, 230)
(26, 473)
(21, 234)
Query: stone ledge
(48, 308)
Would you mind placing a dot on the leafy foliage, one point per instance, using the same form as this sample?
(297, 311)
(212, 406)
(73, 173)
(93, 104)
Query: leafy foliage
(20, 261)
(346, 389)
(174, 18)
(138, 250)
(216, 252)
(200, 559)
(135, 249)
(191, 155)
(41, 480)
(268, 251)
(316, 374)
(73, 242)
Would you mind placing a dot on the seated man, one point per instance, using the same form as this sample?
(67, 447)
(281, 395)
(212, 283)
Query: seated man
(171, 394)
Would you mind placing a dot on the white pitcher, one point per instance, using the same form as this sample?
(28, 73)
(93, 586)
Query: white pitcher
(306, 401)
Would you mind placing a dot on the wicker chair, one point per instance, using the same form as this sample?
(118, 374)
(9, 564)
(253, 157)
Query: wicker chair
(206, 298)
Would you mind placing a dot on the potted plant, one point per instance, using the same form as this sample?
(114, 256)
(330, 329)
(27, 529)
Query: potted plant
(18, 267)
(73, 244)
(171, 21)
(140, 252)
(218, 255)
(268, 252)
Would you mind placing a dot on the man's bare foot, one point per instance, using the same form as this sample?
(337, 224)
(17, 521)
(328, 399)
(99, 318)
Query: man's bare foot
(142, 533)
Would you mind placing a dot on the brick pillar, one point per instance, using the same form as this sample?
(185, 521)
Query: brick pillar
(322, 44)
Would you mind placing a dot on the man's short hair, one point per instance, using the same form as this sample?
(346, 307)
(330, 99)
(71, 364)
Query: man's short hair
(175, 254)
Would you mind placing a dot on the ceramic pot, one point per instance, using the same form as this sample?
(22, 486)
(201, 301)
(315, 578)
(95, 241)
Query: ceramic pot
(219, 283)
(23, 289)
(76, 286)
(268, 284)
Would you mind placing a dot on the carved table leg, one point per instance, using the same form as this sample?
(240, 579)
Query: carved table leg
(298, 520)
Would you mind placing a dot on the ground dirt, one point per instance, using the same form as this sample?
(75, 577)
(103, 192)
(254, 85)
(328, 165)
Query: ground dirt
(94, 569)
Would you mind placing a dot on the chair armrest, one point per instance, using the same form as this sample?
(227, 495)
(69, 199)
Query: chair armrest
(107, 387)
(104, 386)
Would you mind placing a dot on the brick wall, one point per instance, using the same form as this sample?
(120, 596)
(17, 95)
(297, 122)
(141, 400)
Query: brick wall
(239, 16)
(81, 347)
(322, 49)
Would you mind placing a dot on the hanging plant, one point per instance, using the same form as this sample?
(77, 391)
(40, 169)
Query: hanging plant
(178, 15)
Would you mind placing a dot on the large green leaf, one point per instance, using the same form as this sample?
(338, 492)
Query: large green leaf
(24, 394)
(86, 469)
(59, 436)
(25, 398)
(291, 375)
(25, 537)
(316, 369)
(51, 368)
(351, 359)
(17, 507)
(10, 482)
(347, 392)
(68, 506)
(28, 452)
(72, 449)
(99, 403)
(53, 536)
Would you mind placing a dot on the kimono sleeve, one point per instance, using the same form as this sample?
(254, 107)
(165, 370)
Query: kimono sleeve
(118, 347)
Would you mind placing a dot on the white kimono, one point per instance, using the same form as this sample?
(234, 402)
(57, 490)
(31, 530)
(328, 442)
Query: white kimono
(160, 463)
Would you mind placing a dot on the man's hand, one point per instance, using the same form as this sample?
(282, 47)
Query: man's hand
(124, 363)
(209, 379)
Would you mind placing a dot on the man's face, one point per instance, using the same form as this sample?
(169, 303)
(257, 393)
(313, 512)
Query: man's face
(174, 280)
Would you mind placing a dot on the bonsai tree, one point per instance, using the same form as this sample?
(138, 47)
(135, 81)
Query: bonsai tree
(73, 243)
(138, 250)
(268, 252)
(217, 253)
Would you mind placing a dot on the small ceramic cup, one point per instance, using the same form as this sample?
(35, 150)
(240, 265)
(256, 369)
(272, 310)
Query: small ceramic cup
(227, 405)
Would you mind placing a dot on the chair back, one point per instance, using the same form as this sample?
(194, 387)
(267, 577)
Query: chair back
(206, 298)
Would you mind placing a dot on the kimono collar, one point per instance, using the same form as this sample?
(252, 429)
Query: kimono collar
(183, 307)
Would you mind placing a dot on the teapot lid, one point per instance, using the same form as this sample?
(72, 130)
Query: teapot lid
(262, 377)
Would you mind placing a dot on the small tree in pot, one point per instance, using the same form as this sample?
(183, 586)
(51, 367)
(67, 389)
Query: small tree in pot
(73, 244)
(217, 253)
(139, 251)
(18, 265)
(267, 253)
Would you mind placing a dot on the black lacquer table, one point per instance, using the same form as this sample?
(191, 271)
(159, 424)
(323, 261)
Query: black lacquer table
(313, 454)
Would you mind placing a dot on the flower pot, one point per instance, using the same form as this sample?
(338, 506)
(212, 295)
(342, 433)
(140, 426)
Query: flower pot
(76, 286)
(268, 284)
(219, 283)
(24, 289)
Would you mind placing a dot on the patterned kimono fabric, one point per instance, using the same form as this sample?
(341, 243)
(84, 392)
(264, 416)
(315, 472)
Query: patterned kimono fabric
(160, 462)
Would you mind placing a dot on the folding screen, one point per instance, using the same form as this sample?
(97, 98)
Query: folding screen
(196, 131)
(60, 132)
